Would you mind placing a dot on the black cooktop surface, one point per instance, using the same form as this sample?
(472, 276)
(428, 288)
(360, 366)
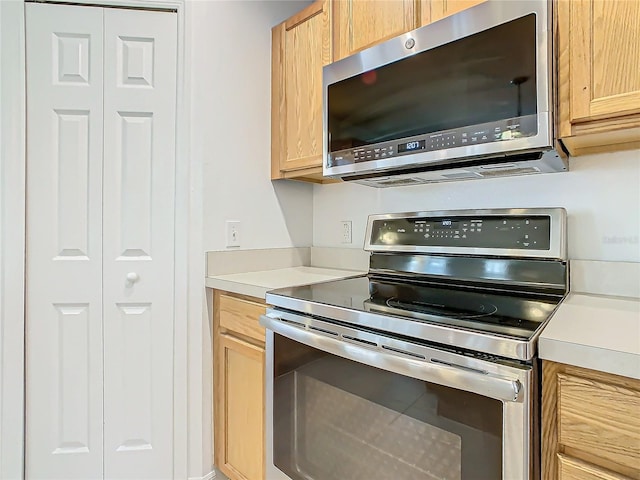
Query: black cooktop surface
(508, 314)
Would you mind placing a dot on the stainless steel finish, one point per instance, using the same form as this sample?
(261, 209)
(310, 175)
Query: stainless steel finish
(558, 242)
(512, 385)
(451, 171)
(353, 325)
(416, 361)
(499, 330)
(532, 275)
(492, 344)
(449, 29)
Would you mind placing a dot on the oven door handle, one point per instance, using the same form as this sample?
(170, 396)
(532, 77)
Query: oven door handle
(432, 370)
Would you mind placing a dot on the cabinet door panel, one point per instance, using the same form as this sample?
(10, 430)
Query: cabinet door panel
(572, 469)
(303, 92)
(241, 370)
(361, 23)
(590, 425)
(599, 419)
(301, 46)
(605, 58)
(444, 8)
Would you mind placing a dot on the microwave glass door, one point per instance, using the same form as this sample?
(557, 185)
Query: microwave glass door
(486, 80)
(336, 419)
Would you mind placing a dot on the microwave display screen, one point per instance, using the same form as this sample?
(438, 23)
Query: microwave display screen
(411, 146)
(487, 79)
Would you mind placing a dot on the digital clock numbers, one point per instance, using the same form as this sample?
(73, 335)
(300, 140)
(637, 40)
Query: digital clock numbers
(412, 146)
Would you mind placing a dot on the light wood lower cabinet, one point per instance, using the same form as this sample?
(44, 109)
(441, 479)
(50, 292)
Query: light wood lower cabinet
(239, 428)
(591, 424)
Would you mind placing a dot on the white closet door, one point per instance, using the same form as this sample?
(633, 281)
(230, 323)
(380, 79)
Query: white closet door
(64, 375)
(139, 178)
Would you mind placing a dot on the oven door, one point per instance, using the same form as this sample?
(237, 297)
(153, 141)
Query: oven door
(348, 404)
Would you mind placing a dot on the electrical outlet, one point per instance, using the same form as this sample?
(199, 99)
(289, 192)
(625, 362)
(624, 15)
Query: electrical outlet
(233, 233)
(346, 231)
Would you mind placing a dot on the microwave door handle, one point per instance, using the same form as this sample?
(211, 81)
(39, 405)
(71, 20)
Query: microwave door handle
(434, 371)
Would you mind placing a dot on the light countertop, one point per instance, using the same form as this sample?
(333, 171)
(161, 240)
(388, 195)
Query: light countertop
(257, 284)
(595, 331)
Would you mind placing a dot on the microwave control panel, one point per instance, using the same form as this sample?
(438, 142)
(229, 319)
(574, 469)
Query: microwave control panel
(510, 232)
(500, 131)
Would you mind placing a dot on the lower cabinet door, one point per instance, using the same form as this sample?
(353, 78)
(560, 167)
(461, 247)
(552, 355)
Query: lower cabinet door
(574, 469)
(240, 386)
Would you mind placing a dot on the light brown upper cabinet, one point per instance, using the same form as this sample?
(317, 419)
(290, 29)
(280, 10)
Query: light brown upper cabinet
(301, 46)
(444, 8)
(358, 24)
(598, 74)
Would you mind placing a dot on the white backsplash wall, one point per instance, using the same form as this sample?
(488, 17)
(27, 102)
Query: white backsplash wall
(231, 113)
(600, 192)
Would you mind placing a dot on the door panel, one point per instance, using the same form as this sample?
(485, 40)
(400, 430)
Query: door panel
(242, 409)
(139, 165)
(64, 243)
(444, 8)
(603, 38)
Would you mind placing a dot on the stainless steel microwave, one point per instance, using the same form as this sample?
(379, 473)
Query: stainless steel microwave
(466, 97)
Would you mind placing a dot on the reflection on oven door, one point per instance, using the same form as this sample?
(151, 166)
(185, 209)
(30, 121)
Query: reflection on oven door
(335, 419)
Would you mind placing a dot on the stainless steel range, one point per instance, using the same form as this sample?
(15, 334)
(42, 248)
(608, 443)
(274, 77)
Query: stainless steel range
(425, 368)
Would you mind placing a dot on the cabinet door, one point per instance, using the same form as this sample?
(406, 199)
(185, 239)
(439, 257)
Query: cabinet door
(444, 8)
(574, 469)
(301, 47)
(598, 69)
(240, 391)
(590, 424)
(361, 23)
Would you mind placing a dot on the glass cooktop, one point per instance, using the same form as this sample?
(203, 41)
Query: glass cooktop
(501, 313)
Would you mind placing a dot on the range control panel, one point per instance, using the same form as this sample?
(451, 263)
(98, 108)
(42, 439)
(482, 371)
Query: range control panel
(512, 232)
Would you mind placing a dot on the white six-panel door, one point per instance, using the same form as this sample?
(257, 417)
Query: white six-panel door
(101, 94)
(138, 240)
(64, 369)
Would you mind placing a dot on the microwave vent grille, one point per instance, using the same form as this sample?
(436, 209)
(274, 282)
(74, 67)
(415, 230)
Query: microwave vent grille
(400, 181)
(509, 171)
(460, 175)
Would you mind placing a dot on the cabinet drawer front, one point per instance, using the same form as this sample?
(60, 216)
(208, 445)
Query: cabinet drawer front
(242, 316)
(600, 420)
(573, 469)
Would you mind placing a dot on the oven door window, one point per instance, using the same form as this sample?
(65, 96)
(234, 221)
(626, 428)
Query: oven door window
(335, 419)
